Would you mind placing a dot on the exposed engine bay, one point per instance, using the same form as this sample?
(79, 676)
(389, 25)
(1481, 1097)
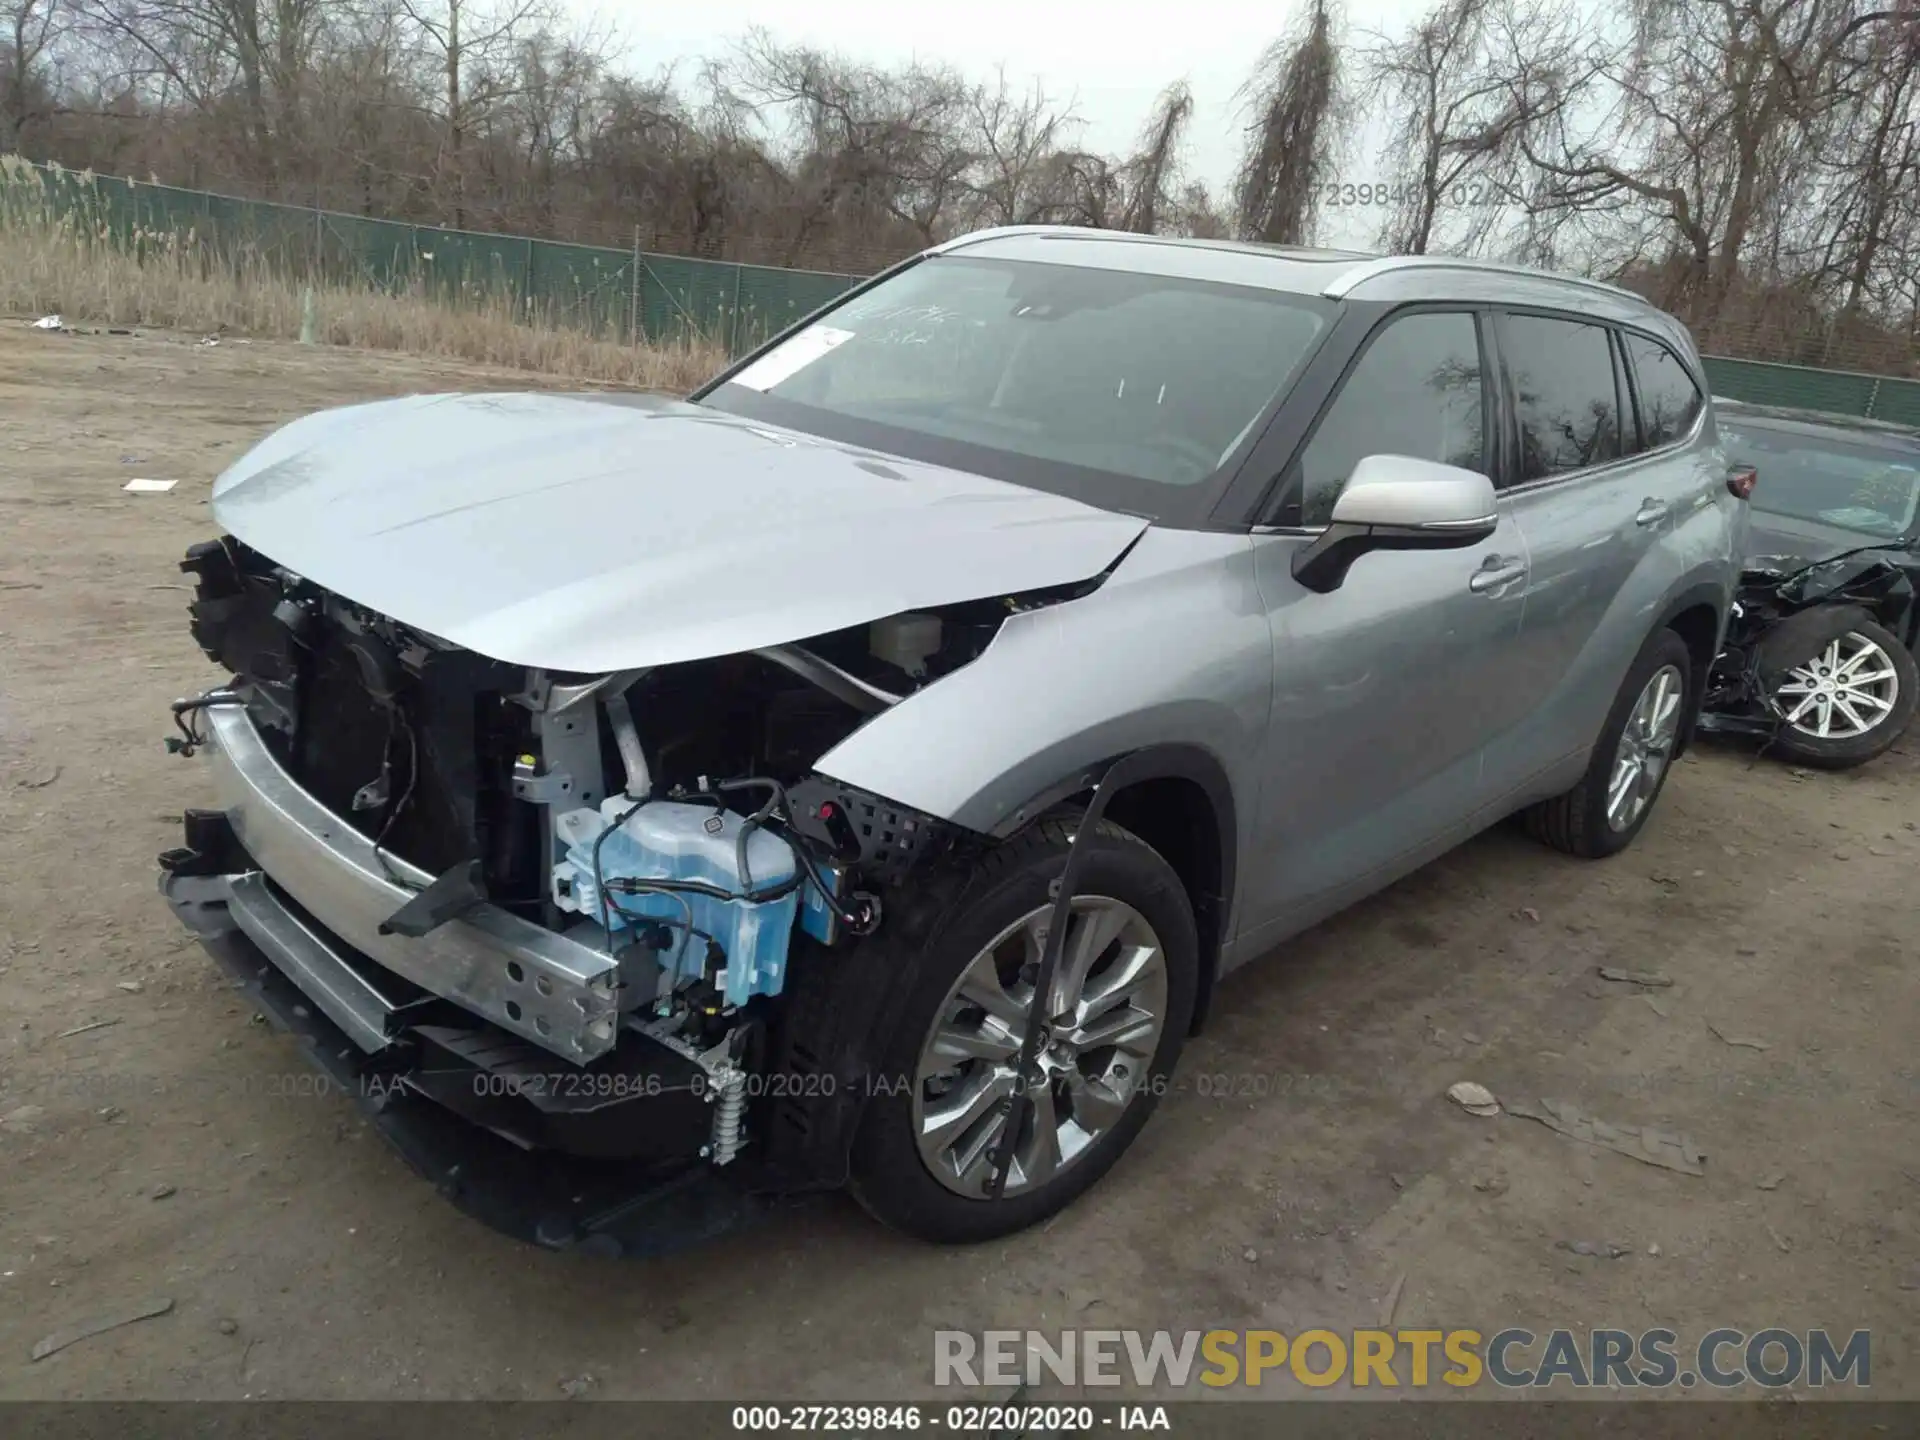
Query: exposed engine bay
(600, 885)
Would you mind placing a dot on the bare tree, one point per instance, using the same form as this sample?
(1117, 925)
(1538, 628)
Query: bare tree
(549, 114)
(1876, 194)
(31, 30)
(1014, 140)
(1700, 113)
(1150, 173)
(1458, 118)
(1295, 93)
(1088, 189)
(212, 51)
(1195, 214)
(470, 47)
(863, 140)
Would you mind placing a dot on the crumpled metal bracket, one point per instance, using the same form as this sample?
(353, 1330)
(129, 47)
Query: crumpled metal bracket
(448, 897)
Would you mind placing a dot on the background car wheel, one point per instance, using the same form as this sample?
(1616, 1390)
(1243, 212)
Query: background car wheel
(1851, 700)
(1120, 1007)
(1601, 815)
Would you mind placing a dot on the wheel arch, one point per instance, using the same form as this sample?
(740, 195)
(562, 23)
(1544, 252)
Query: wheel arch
(1698, 616)
(1178, 799)
(842, 1005)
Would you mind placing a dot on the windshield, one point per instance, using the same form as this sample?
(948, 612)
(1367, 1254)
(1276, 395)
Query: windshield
(1865, 488)
(1123, 389)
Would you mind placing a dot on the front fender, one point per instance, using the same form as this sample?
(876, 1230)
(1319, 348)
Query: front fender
(1173, 650)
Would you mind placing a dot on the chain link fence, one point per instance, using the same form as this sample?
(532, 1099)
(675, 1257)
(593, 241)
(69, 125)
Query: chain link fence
(634, 295)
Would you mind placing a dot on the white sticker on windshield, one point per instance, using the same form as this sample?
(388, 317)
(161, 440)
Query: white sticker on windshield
(792, 357)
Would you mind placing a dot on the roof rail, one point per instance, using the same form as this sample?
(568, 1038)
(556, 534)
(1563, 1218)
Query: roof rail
(992, 232)
(1344, 283)
(1091, 232)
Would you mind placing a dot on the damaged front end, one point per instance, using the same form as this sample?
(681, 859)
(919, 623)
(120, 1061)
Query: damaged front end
(554, 931)
(1781, 617)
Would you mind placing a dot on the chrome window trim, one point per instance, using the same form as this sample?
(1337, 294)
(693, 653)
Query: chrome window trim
(1619, 326)
(1545, 482)
(1588, 472)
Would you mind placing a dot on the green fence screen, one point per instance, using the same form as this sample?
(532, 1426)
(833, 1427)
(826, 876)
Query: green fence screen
(612, 294)
(629, 294)
(1882, 397)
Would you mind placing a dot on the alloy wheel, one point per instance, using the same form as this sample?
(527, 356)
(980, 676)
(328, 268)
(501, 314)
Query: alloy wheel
(1645, 748)
(1843, 692)
(1100, 1029)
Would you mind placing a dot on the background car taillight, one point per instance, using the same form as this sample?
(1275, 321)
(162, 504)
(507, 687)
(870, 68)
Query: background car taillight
(1741, 479)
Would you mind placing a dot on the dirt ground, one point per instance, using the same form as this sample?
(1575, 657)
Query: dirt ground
(152, 1156)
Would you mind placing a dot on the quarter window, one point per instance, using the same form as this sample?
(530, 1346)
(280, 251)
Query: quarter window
(1416, 390)
(1565, 399)
(1669, 399)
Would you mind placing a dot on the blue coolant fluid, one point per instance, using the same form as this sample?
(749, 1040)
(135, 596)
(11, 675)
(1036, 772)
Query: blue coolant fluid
(671, 840)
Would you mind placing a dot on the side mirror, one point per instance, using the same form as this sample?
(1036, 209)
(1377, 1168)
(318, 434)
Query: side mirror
(1395, 502)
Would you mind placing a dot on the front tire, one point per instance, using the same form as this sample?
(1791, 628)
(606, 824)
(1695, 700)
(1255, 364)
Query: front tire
(1601, 815)
(1852, 698)
(1122, 1001)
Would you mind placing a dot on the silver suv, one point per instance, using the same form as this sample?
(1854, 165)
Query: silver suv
(863, 772)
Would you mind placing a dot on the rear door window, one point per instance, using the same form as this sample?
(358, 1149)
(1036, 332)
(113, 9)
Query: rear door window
(1669, 400)
(1565, 398)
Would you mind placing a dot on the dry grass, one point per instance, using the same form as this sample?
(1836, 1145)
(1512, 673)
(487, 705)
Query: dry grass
(67, 259)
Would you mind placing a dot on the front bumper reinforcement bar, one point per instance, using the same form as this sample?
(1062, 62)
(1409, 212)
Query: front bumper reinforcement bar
(548, 988)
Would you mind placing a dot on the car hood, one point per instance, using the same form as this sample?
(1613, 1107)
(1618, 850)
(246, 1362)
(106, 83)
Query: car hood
(595, 533)
(1809, 540)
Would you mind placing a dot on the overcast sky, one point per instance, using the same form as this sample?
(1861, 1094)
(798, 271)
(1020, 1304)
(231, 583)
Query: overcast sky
(1113, 59)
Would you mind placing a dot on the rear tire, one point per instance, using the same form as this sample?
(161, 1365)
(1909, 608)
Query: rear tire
(906, 1170)
(1586, 821)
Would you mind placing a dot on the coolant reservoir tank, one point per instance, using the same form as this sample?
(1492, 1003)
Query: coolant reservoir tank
(905, 640)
